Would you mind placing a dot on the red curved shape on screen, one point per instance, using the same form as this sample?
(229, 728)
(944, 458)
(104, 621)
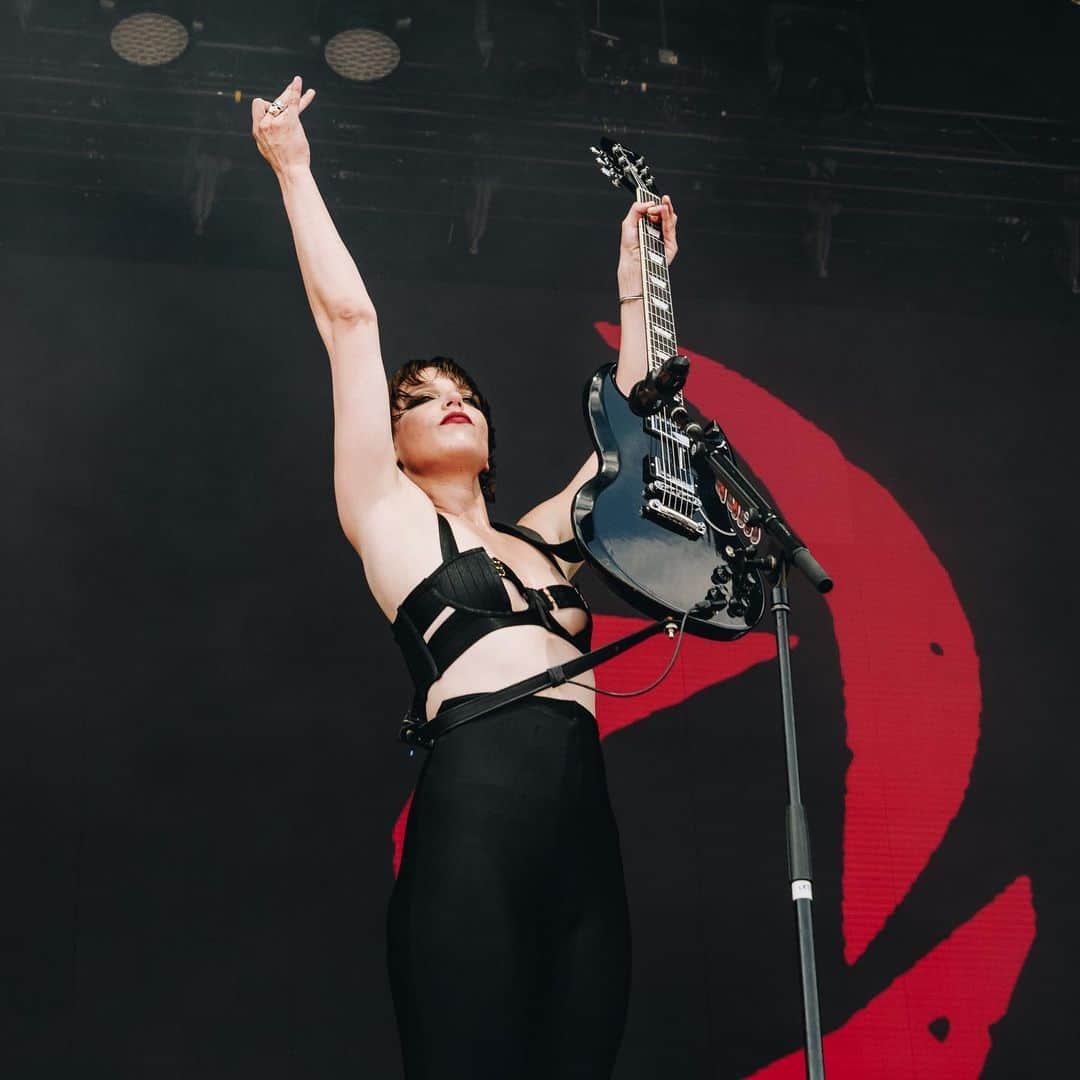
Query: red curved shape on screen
(912, 696)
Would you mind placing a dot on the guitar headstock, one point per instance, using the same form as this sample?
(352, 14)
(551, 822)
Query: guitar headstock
(623, 167)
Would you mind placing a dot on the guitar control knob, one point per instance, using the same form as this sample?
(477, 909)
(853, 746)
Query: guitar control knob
(721, 575)
(717, 598)
(736, 609)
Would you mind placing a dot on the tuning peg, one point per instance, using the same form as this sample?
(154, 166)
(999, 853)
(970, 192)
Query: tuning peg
(639, 162)
(606, 171)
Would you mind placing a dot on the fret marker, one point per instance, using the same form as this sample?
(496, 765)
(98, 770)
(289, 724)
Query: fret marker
(656, 258)
(654, 233)
(661, 330)
(663, 305)
(658, 281)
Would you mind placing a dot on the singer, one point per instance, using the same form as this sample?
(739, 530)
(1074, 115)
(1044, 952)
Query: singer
(508, 939)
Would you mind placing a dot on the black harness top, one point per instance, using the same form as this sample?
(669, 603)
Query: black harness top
(470, 583)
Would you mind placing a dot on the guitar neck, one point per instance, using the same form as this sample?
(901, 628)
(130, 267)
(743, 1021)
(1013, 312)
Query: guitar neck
(656, 287)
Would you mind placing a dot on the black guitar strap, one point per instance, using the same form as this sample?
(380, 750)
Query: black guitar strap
(416, 732)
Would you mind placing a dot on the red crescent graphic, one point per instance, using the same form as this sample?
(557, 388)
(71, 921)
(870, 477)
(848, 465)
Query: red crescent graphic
(912, 710)
(912, 700)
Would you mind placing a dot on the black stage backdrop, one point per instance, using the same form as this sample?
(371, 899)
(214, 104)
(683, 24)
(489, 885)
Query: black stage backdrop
(201, 779)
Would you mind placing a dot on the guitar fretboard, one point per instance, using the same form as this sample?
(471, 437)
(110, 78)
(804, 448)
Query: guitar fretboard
(656, 287)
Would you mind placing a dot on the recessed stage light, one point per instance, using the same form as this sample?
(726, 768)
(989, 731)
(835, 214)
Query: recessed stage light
(149, 38)
(362, 54)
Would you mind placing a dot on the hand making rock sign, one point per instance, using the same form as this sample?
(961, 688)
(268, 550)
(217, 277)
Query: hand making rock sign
(277, 129)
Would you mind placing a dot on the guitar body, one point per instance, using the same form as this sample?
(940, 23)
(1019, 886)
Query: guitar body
(657, 568)
(651, 520)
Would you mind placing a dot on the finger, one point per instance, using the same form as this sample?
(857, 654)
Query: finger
(306, 100)
(291, 94)
(258, 109)
(293, 91)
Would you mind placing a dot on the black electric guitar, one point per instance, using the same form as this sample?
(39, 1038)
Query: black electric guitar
(651, 520)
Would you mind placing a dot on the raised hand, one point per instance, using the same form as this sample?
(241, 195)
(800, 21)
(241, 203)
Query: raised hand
(279, 134)
(662, 215)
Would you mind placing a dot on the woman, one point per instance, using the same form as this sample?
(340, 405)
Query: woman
(508, 938)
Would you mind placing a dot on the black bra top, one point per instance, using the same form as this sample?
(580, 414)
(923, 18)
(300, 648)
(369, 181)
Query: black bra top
(470, 583)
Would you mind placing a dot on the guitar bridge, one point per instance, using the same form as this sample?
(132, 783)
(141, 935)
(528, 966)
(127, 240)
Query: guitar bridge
(667, 515)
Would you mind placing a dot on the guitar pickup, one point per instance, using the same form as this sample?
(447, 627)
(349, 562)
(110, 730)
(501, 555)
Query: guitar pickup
(656, 471)
(664, 428)
(667, 515)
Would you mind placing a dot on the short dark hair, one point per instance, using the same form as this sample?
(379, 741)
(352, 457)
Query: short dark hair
(410, 377)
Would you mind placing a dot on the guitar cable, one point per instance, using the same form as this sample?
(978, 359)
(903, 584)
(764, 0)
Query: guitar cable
(656, 682)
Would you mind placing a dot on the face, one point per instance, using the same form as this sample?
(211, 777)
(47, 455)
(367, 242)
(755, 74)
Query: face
(441, 429)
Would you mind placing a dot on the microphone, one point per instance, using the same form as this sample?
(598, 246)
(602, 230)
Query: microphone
(659, 387)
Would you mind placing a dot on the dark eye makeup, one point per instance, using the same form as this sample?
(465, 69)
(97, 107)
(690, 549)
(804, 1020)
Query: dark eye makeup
(411, 400)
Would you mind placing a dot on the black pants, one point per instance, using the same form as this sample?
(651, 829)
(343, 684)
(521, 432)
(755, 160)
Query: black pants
(508, 936)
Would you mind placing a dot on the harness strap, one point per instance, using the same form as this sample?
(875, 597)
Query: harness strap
(447, 543)
(416, 732)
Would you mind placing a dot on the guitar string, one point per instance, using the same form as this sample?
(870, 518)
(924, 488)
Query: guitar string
(664, 320)
(667, 320)
(648, 288)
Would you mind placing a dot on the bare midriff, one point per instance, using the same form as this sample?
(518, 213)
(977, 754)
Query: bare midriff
(507, 656)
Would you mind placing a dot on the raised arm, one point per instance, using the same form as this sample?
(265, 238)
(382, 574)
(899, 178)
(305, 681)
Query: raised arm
(364, 461)
(552, 517)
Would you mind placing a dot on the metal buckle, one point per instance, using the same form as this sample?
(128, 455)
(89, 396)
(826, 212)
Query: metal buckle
(409, 732)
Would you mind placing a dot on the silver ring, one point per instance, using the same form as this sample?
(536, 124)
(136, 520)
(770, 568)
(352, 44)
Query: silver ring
(275, 107)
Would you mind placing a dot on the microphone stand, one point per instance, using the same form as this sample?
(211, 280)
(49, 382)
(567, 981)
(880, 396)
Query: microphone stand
(709, 444)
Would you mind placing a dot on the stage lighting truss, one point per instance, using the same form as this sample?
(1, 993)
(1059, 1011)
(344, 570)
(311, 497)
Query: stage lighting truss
(818, 55)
